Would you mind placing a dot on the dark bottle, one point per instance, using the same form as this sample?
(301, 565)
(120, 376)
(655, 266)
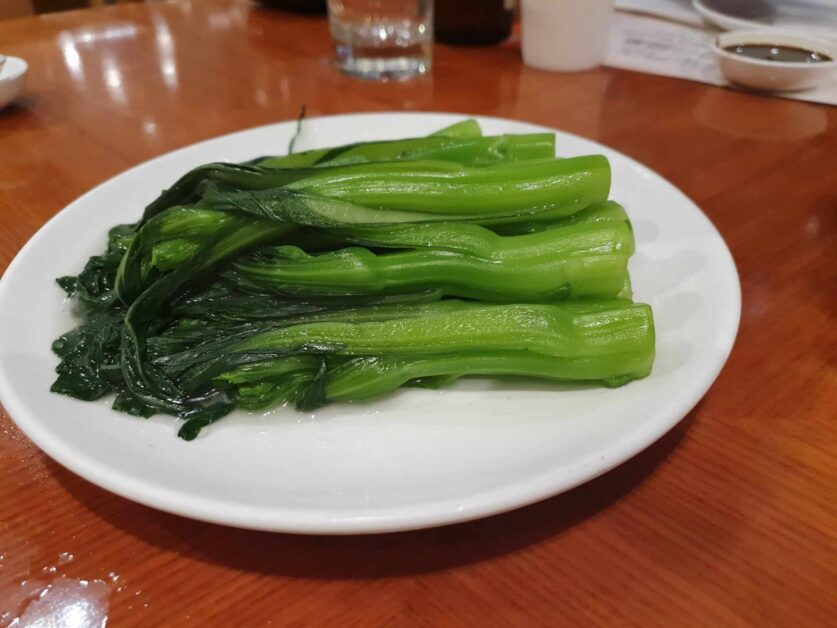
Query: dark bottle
(297, 6)
(472, 22)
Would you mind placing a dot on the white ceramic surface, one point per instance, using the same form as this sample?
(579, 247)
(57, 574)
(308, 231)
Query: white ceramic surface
(12, 79)
(418, 458)
(774, 75)
(813, 17)
(565, 35)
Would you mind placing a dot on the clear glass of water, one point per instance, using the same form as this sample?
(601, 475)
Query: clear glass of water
(382, 39)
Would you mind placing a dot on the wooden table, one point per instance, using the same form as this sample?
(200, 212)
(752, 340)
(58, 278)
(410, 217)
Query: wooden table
(727, 520)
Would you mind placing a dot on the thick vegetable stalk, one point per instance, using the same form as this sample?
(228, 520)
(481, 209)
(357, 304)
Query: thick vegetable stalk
(472, 151)
(192, 338)
(609, 342)
(396, 192)
(366, 377)
(441, 187)
(463, 130)
(327, 275)
(605, 212)
(578, 260)
(438, 187)
(180, 347)
(575, 328)
(174, 245)
(384, 193)
(461, 143)
(613, 334)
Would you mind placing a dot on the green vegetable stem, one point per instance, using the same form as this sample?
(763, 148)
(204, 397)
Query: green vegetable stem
(341, 274)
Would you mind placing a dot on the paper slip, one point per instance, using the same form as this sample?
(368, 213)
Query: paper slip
(656, 46)
(680, 10)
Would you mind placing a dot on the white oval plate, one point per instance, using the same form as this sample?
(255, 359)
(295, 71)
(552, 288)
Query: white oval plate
(416, 459)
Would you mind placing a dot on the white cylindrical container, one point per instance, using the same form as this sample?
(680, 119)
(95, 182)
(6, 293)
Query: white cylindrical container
(12, 79)
(565, 35)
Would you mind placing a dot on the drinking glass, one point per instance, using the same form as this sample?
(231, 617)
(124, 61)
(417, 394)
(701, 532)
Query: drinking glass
(382, 39)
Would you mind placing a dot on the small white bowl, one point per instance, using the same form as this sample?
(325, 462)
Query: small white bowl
(779, 76)
(12, 79)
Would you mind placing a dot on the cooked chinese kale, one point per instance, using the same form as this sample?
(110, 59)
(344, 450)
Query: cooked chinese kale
(342, 274)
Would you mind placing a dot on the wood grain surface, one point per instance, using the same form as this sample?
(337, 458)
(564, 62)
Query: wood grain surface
(729, 520)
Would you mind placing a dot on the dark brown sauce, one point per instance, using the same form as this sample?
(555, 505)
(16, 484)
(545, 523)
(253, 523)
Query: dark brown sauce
(782, 54)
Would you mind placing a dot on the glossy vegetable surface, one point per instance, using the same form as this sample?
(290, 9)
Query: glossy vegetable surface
(342, 274)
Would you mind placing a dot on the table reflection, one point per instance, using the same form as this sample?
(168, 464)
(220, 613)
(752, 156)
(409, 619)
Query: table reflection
(165, 51)
(113, 80)
(777, 120)
(67, 603)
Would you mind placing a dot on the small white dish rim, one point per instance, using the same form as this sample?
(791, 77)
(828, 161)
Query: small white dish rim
(12, 68)
(776, 37)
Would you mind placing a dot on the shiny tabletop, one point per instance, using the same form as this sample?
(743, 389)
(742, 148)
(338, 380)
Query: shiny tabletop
(729, 519)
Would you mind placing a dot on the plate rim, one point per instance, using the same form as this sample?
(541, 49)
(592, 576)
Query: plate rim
(531, 489)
